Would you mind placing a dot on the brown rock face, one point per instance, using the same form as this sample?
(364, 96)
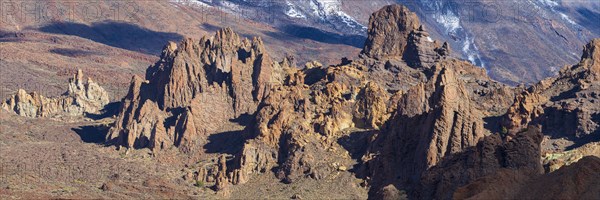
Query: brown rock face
(422, 51)
(486, 158)
(389, 30)
(414, 119)
(433, 120)
(591, 52)
(297, 123)
(566, 106)
(80, 98)
(371, 109)
(577, 181)
(439, 105)
(194, 89)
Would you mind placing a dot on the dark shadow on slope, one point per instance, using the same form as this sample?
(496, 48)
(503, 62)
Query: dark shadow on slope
(314, 75)
(110, 110)
(230, 142)
(566, 94)
(210, 28)
(589, 19)
(357, 144)
(244, 119)
(74, 53)
(117, 34)
(493, 124)
(558, 123)
(593, 137)
(93, 133)
(311, 33)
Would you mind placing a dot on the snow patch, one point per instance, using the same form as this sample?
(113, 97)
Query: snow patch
(429, 39)
(190, 3)
(331, 11)
(566, 18)
(449, 21)
(292, 12)
(472, 52)
(552, 4)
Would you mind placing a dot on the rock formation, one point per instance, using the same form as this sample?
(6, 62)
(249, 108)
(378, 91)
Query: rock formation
(433, 120)
(79, 99)
(577, 181)
(437, 102)
(193, 89)
(414, 118)
(389, 30)
(490, 155)
(553, 161)
(566, 106)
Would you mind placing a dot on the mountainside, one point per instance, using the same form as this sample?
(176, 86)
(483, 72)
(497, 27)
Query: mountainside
(516, 41)
(221, 116)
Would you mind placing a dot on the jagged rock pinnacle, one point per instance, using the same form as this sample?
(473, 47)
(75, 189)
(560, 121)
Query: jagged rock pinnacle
(80, 98)
(389, 29)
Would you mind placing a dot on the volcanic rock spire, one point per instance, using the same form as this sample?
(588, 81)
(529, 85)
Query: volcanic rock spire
(80, 98)
(195, 88)
(389, 30)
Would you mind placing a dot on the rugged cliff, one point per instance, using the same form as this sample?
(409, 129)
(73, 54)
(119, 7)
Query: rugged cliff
(192, 91)
(404, 116)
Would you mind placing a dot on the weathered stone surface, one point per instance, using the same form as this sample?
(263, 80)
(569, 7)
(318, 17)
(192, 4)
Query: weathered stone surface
(421, 51)
(443, 100)
(433, 120)
(195, 88)
(79, 99)
(414, 118)
(371, 109)
(489, 156)
(566, 106)
(389, 29)
(577, 181)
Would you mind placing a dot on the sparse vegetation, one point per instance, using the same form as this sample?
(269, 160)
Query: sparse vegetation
(199, 184)
(503, 131)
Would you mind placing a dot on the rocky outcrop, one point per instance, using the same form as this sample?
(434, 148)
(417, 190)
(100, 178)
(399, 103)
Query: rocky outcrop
(389, 30)
(433, 120)
(577, 181)
(414, 118)
(80, 98)
(553, 161)
(490, 155)
(423, 111)
(297, 125)
(422, 52)
(566, 106)
(371, 109)
(195, 88)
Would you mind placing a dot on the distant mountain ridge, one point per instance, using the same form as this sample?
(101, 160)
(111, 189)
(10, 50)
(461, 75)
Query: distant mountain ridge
(500, 36)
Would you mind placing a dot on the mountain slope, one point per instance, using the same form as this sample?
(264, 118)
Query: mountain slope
(502, 37)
